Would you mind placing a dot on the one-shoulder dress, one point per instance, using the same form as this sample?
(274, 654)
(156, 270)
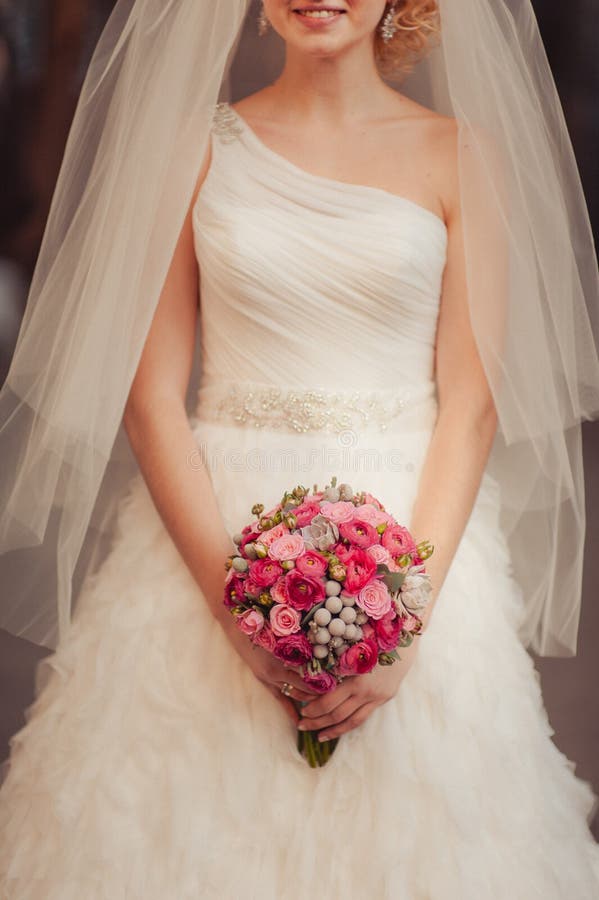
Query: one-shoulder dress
(154, 765)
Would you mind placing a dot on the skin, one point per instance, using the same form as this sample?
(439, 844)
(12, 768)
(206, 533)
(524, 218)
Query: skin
(331, 113)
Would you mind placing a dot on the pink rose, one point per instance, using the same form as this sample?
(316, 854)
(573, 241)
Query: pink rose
(321, 682)
(361, 657)
(234, 592)
(264, 572)
(380, 554)
(279, 531)
(265, 638)
(370, 513)
(284, 619)
(294, 649)
(278, 591)
(358, 533)
(311, 563)
(398, 540)
(387, 631)
(290, 546)
(250, 622)
(374, 599)
(303, 591)
(305, 512)
(342, 511)
(361, 569)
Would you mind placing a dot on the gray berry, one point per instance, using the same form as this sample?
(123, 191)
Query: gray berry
(336, 627)
(322, 616)
(321, 651)
(240, 564)
(351, 633)
(323, 636)
(348, 601)
(334, 605)
(332, 588)
(347, 614)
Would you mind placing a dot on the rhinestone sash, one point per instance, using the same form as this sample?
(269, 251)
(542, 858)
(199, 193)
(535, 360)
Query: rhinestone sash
(309, 410)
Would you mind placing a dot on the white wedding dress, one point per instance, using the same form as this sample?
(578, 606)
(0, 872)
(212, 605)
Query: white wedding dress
(153, 765)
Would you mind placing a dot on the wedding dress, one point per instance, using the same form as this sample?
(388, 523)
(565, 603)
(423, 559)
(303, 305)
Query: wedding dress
(153, 764)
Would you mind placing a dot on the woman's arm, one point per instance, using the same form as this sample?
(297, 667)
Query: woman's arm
(161, 438)
(452, 470)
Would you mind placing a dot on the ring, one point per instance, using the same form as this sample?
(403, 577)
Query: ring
(286, 689)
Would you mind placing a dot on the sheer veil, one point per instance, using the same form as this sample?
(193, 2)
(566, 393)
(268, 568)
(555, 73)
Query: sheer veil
(140, 133)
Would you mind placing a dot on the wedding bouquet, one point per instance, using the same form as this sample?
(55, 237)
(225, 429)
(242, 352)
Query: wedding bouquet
(330, 584)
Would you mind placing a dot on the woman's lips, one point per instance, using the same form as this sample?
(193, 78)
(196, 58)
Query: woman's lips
(318, 18)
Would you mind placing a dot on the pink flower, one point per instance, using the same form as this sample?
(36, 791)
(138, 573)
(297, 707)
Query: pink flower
(361, 657)
(370, 513)
(294, 649)
(265, 638)
(278, 591)
(368, 631)
(290, 546)
(252, 588)
(250, 622)
(264, 572)
(305, 512)
(234, 592)
(387, 631)
(374, 599)
(311, 563)
(284, 619)
(303, 591)
(361, 569)
(380, 554)
(398, 540)
(267, 537)
(358, 533)
(410, 623)
(322, 682)
(368, 498)
(342, 552)
(342, 511)
(249, 537)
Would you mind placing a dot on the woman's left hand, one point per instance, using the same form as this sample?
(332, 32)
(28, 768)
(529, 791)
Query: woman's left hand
(352, 701)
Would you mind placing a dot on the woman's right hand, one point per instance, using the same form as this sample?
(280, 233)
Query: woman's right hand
(268, 669)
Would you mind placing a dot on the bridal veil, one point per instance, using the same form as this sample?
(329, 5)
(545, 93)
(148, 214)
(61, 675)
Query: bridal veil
(138, 138)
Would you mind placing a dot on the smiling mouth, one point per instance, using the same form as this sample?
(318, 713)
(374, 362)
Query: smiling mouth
(318, 13)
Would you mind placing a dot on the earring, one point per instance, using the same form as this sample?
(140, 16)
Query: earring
(263, 23)
(388, 26)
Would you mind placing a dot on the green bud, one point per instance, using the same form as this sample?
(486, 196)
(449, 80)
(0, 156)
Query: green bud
(287, 565)
(290, 520)
(257, 509)
(261, 550)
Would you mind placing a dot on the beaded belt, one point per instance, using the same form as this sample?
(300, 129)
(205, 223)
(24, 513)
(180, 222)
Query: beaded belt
(308, 410)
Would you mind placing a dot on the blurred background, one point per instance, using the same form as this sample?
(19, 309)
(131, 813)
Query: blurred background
(45, 46)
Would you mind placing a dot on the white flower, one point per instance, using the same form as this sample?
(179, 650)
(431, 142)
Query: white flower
(415, 591)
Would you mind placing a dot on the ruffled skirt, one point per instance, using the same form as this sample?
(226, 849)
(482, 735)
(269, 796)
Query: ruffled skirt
(154, 766)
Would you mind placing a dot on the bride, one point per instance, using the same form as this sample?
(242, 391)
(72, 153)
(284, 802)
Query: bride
(379, 300)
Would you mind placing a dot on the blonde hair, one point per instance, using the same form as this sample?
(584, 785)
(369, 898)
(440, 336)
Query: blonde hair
(418, 29)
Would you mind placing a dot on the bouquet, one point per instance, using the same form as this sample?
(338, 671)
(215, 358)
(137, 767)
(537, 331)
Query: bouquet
(330, 584)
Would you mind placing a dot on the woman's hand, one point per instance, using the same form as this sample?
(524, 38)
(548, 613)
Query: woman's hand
(351, 702)
(268, 669)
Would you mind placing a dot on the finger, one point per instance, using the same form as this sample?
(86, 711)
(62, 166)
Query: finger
(280, 674)
(353, 721)
(339, 714)
(326, 703)
(293, 692)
